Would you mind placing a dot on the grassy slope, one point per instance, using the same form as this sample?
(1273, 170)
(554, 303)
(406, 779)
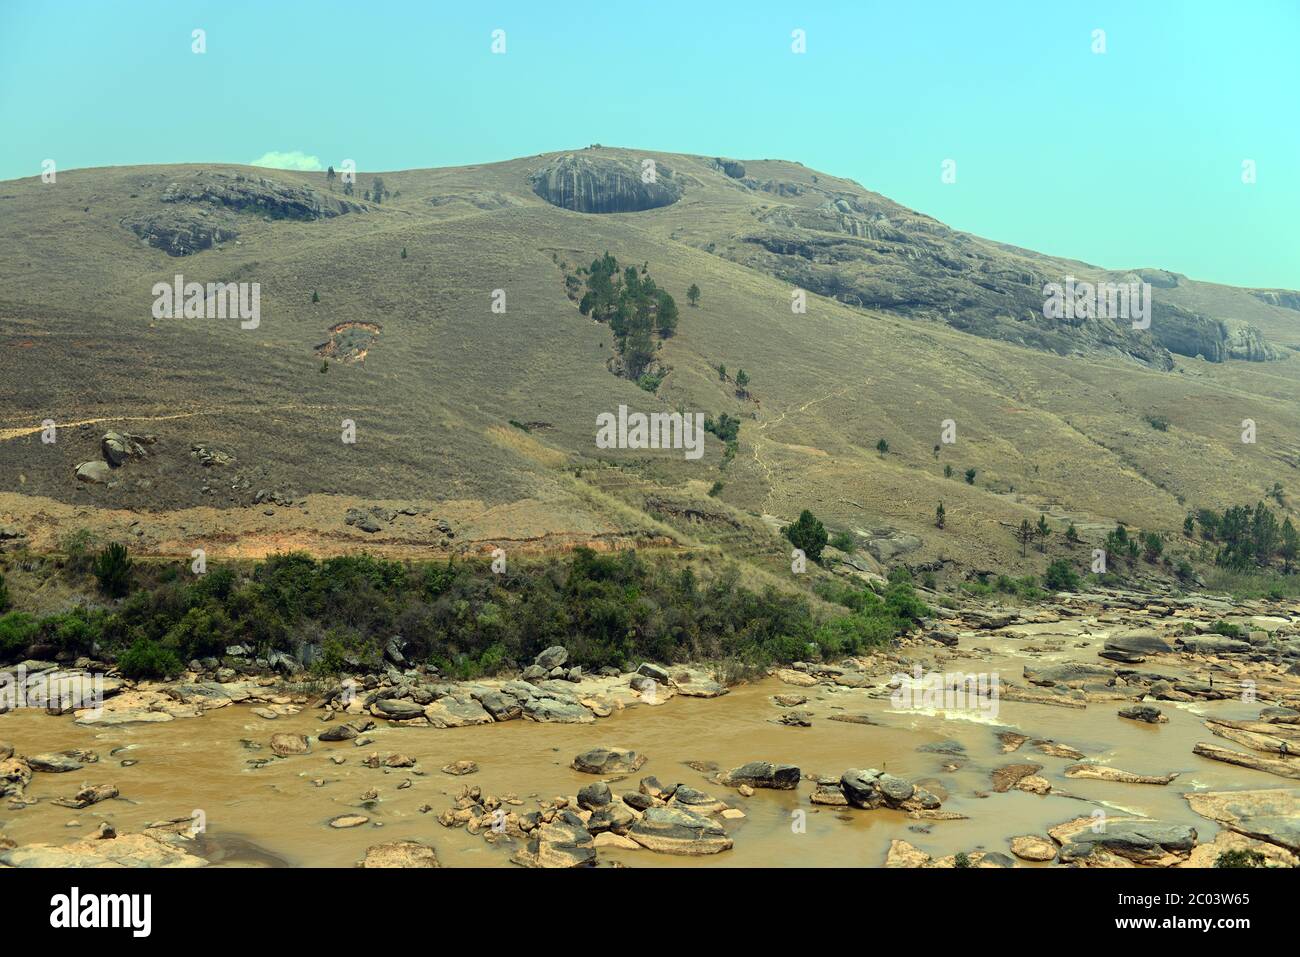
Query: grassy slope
(431, 401)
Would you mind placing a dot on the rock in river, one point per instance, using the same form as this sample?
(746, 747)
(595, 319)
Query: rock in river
(674, 831)
(608, 761)
(284, 745)
(403, 854)
(763, 774)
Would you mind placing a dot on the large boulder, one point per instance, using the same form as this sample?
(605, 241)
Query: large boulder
(1138, 841)
(553, 657)
(604, 760)
(558, 845)
(670, 830)
(763, 774)
(602, 183)
(455, 712)
(94, 473)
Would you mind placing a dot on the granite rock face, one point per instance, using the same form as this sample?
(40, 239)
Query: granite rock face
(843, 242)
(203, 210)
(604, 184)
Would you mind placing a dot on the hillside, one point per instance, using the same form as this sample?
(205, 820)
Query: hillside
(381, 313)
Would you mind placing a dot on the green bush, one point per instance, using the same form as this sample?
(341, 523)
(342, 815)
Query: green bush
(807, 534)
(146, 659)
(1241, 858)
(845, 542)
(113, 569)
(17, 631)
(1060, 576)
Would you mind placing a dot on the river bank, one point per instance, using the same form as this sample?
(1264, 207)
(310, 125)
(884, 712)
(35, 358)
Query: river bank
(243, 767)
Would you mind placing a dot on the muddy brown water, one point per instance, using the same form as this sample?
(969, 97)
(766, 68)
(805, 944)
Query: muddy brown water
(275, 816)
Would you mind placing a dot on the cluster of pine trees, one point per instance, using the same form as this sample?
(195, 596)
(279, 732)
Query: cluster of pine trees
(1247, 537)
(635, 308)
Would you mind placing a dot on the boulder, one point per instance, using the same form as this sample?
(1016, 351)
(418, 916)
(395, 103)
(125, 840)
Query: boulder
(395, 709)
(670, 830)
(558, 845)
(593, 796)
(1139, 841)
(1007, 776)
(1031, 847)
(653, 671)
(608, 761)
(763, 774)
(553, 657)
(1144, 712)
(285, 745)
(601, 183)
(455, 712)
(94, 472)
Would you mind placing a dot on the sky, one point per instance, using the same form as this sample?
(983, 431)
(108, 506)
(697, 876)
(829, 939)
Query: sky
(1131, 157)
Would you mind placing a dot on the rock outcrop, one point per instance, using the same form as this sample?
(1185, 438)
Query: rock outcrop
(604, 184)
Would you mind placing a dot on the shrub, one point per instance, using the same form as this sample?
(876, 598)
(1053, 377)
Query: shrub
(113, 570)
(1060, 576)
(17, 631)
(5, 602)
(1241, 858)
(146, 659)
(845, 542)
(807, 534)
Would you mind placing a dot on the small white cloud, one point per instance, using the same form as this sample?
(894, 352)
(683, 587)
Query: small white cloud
(293, 159)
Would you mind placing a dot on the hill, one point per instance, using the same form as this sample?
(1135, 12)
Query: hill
(441, 318)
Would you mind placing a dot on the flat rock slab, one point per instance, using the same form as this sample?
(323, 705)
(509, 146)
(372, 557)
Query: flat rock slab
(1102, 772)
(1282, 767)
(1031, 847)
(452, 712)
(1270, 814)
(403, 854)
(131, 850)
(1140, 841)
(1009, 775)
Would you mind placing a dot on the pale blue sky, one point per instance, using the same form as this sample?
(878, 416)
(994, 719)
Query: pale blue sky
(1130, 158)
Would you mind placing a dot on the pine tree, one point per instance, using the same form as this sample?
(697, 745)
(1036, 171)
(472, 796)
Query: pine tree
(1071, 536)
(1024, 535)
(939, 516)
(883, 448)
(1042, 530)
(315, 296)
(693, 295)
(1290, 546)
(742, 382)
